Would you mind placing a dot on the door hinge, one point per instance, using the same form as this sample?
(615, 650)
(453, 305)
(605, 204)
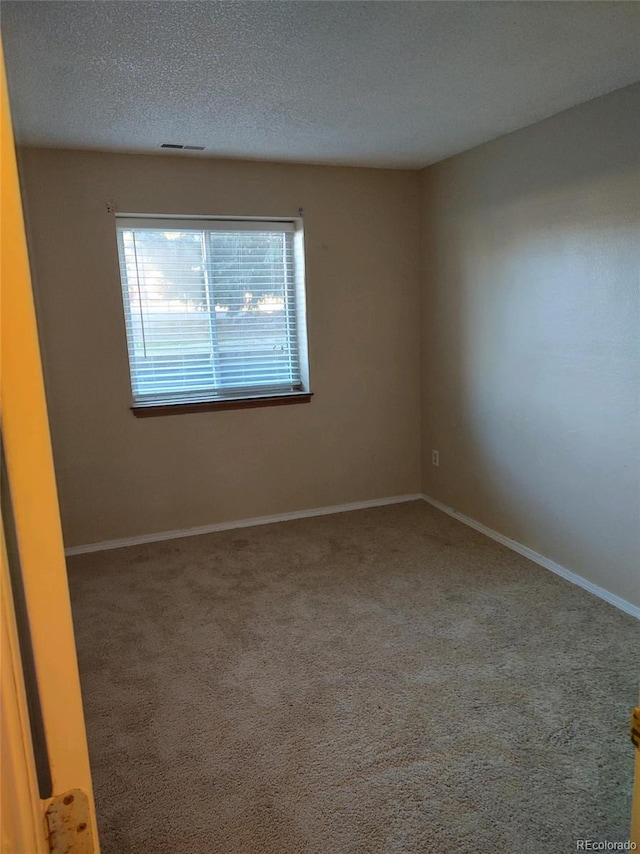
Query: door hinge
(68, 823)
(635, 726)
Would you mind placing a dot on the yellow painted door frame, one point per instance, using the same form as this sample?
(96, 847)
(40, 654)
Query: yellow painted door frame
(635, 807)
(23, 825)
(47, 797)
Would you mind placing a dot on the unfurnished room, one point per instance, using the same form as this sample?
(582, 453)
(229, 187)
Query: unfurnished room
(320, 427)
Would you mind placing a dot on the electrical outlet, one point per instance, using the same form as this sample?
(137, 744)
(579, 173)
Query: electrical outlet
(435, 458)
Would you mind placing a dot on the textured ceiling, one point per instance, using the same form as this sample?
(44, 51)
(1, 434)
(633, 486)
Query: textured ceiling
(399, 84)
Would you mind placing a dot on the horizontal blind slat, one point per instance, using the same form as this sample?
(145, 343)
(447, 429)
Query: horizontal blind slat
(186, 224)
(208, 310)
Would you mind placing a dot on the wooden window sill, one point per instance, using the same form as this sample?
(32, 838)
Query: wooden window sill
(213, 405)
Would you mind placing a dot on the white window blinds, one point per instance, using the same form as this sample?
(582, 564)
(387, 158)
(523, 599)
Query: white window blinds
(213, 310)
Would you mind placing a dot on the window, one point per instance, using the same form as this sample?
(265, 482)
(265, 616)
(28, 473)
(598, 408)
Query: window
(214, 312)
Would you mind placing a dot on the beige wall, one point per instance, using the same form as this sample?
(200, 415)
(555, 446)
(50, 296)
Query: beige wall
(530, 342)
(531, 330)
(359, 439)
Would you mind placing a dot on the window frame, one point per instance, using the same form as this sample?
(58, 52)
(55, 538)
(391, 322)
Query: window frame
(183, 402)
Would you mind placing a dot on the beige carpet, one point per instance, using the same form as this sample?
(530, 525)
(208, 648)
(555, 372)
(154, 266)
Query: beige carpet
(386, 680)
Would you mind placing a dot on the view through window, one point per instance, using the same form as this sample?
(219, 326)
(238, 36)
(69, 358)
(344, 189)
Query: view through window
(214, 310)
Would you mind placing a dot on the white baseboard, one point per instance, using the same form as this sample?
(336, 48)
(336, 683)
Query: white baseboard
(240, 523)
(556, 568)
(541, 560)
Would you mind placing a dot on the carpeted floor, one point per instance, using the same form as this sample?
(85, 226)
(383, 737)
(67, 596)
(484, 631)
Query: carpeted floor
(383, 681)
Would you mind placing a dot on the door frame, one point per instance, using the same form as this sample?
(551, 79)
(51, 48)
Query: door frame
(40, 616)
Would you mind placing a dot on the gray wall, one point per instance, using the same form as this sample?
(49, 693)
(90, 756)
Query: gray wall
(530, 337)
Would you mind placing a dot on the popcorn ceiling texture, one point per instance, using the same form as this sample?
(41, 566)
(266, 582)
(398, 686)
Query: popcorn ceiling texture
(377, 83)
(380, 682)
